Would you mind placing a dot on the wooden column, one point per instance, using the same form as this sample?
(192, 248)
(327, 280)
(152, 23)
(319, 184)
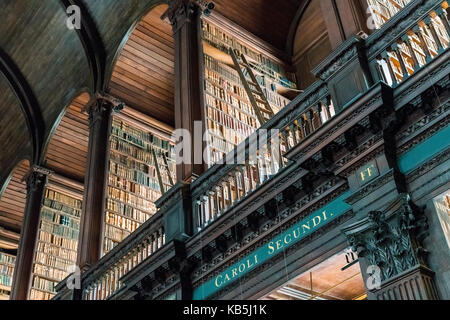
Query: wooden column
(36, 182)
(90, 239)
(344, 18)
(184, 16)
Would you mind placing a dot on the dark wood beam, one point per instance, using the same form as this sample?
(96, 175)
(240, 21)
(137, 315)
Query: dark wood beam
(36, 182)
(92, 43)
(184, 16)
(90, 239)
(28, 101)
(344, 18)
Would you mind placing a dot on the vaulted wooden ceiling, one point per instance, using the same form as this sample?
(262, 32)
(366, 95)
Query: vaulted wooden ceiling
(12, 206)
(143, 76)
(68, 146)
(56, 65)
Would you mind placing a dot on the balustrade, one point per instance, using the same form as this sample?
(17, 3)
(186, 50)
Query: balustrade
(103, 285)
(415, 47)
(260, 157)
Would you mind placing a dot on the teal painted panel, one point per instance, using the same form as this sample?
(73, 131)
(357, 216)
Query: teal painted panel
(308, 225)
(425, 150)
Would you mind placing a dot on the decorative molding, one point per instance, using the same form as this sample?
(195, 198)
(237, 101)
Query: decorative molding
(267, 231)
(290, 251)
(37, 178)
(181, 12)
(429, 165)
(436, 72)
(366, 151)
(370, 187)
(346, 52)
(97, 111)
(425, 134)
(391, 239)
(379, 96)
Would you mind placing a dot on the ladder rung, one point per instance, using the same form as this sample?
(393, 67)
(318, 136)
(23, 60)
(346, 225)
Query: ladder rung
(259, 93)
(266, 111)
(262, 101)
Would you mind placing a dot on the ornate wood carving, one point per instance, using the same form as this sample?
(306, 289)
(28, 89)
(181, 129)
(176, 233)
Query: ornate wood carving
(392, 239)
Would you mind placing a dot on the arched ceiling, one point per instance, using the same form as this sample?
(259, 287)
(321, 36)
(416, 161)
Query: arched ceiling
(53, 61)
(14, 137)
(68, 147)
(12, 206)
(143, 75)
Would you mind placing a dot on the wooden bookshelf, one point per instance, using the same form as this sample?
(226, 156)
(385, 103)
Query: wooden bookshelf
(7, 262)
(56, 247)
(230, 117)
(133, 182)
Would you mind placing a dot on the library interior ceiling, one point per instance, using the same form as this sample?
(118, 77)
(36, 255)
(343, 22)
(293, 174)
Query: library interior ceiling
(127, 51)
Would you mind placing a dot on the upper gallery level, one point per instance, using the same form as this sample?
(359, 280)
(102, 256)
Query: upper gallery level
(300, 159)
(291, 100)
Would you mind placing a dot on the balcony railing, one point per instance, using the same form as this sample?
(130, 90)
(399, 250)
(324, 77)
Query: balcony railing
(260, 157)
(102, 280)
(421, 27)
(404, 53)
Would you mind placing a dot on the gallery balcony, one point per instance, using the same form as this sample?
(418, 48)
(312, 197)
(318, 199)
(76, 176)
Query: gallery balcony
(308, 155)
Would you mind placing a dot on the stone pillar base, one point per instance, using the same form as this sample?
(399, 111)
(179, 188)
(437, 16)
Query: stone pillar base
(414, 284)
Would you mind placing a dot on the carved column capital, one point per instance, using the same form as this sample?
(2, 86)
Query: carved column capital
(391, 240)
(115, 103)
(181, 12)
(102, 108)
(37, 178)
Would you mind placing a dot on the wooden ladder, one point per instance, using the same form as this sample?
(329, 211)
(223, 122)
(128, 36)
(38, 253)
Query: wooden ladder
(254, 91)
(158, 171)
